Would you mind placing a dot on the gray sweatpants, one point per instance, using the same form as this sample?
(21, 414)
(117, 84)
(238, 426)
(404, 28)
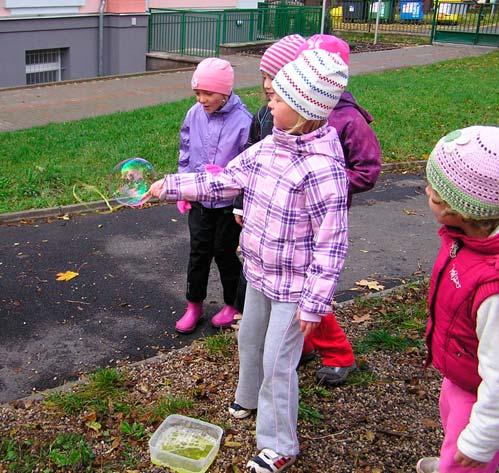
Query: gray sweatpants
(270, 345)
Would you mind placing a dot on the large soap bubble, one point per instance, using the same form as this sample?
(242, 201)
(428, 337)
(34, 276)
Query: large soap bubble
(130, 180)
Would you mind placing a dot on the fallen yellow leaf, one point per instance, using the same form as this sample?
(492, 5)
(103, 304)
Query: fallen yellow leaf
(232, 444)
(94, 426)
(410, 212)
(66, 275)
(374, 285)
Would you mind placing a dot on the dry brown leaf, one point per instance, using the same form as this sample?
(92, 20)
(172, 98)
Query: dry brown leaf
(114, 446)
(360, 319)
(430, 423)
(91, 417)
(370, 435)
(66, 276)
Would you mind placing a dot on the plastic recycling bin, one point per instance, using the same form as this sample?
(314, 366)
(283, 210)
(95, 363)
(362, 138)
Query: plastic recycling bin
(411, 10)
(386, 13)
(354, 10)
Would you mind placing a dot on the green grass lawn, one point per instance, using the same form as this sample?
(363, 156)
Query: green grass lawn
(413, 107)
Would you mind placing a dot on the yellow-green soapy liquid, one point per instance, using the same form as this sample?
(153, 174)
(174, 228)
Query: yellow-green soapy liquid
(188, 443)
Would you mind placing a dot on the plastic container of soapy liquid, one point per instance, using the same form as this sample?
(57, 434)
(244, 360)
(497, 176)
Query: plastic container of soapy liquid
(184, 444)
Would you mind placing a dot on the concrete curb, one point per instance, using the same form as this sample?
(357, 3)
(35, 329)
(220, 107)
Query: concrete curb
(99, 205)
(66, 387)
(99, 79)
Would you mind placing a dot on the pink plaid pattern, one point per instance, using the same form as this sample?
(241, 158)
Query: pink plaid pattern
(294, 238)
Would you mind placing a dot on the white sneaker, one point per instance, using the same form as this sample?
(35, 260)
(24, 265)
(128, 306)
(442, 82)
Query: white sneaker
(239, 412)
(428, 465)
(268, 461)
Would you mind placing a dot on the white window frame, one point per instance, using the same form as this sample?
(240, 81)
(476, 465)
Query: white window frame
(46, 66)
(43, 7)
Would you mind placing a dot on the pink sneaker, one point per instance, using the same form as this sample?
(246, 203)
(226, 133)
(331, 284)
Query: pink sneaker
(187, 323)
(225, 318)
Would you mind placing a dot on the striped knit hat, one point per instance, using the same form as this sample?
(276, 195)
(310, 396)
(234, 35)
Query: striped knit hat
(313, 83)
(280, 53)
(464, 170)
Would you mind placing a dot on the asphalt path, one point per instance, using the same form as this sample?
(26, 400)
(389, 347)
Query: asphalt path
(131, 283)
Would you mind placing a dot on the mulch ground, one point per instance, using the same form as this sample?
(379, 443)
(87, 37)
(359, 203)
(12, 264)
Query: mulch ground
(383, 420)
(357, 47)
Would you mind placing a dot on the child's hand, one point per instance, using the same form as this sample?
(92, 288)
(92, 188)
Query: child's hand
(239, 219)
(465, 461)
(306, 327)
(155, 189)
(183, 206)
(213, 169)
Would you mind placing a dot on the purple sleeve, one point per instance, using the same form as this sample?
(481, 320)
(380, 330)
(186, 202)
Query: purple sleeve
(362, 154)
(184, 151)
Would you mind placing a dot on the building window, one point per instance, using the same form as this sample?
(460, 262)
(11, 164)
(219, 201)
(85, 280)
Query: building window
(44, 7)
(43, 65)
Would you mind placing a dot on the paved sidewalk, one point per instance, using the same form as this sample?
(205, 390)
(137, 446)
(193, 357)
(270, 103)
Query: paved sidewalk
(132, 263)
(28, 107)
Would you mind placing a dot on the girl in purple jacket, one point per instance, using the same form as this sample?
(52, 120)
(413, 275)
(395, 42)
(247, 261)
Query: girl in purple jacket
(463, 301)
(215, 131)
(294, 243)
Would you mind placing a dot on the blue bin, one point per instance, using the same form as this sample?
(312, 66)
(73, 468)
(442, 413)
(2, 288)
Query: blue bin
(411, 10)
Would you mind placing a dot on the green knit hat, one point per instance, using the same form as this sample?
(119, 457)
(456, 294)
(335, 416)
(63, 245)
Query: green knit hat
(464, 169)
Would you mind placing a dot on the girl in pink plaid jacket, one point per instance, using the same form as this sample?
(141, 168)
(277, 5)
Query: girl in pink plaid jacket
(294, 243)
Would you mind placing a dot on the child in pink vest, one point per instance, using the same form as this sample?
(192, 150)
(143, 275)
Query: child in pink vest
(463, 301)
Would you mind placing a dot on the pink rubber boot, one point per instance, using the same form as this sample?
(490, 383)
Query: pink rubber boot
(187, 323)
(225, 318)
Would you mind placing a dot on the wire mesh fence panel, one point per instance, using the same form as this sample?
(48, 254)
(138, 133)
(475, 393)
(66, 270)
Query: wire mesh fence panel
(395, 16)
(239, 26)
(200, 33)
(185, 32)
(282, 20)
(467, 22)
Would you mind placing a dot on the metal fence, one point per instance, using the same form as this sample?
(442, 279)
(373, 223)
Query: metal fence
(467, 22)
(184, 32)
(200, 33)
(477, 22)
(395, 16)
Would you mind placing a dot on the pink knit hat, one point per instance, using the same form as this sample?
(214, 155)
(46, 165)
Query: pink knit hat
(313, 83)
(280, 53)
(328, 43)
(213, 75)
(464, 169)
